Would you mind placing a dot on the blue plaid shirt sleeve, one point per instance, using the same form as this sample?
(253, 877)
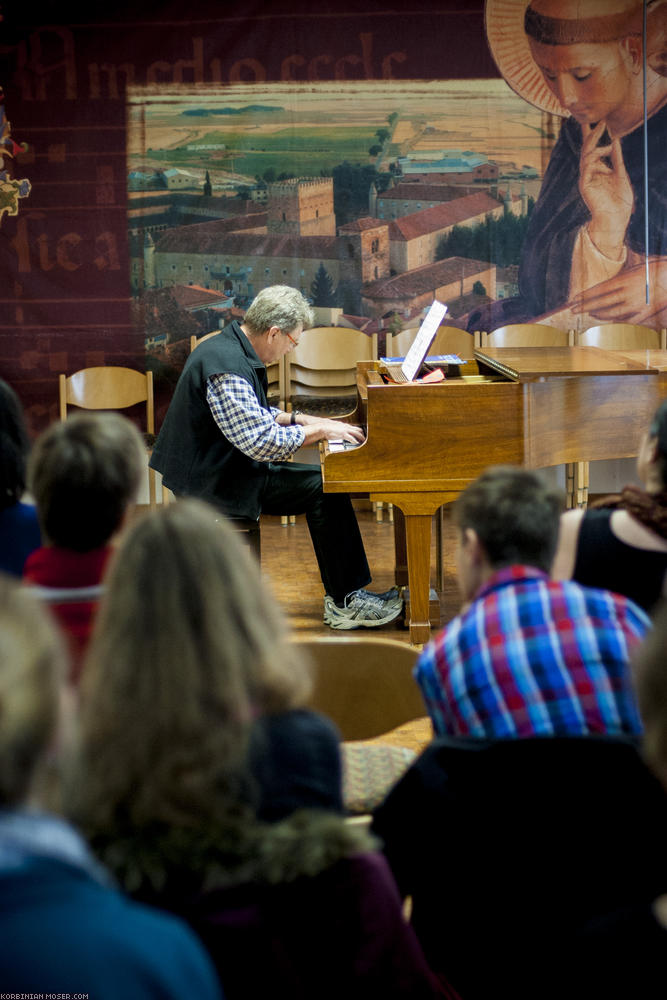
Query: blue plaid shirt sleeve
(247, 425)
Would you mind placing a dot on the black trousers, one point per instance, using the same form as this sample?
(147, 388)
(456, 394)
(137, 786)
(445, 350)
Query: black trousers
(295, 488)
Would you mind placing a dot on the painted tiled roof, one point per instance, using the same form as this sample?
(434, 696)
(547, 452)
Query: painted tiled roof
(361, 225)
(423, 279)
(194, 296)
(449, 213)
(409, 191)
(215, 237)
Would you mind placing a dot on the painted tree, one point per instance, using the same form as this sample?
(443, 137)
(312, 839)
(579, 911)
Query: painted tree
(322, 288)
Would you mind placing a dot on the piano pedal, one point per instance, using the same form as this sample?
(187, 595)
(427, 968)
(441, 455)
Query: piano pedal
(378, 507)
(433, 607)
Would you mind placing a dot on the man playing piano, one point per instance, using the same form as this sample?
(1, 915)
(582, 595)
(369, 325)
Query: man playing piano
(222, 442)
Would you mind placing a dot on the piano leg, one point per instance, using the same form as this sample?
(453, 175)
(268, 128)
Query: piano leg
(413, 517)
(418, 539)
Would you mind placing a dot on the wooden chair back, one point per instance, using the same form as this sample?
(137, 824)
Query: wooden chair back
(195, 341)
(364, 684)
(447, 340)
(622, 337)
(528, 335)
(324, 364)
(111, 388)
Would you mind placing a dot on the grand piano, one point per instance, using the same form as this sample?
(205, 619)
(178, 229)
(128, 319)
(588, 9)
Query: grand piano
(535, 407)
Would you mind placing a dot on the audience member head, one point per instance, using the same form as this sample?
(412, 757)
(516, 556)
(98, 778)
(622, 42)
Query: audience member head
(84, 474)
(32, 669)
(652, 457)
(508, 516)
(14, 444)
(650, 666)
(188, 648)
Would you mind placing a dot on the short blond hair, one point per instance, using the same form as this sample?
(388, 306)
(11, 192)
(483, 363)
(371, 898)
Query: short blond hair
(32, 668)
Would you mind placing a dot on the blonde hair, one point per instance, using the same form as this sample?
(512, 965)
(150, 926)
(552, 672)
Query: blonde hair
(188, 647)
(32, 668)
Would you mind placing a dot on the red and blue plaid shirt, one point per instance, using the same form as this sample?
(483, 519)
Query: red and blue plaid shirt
(533, 656)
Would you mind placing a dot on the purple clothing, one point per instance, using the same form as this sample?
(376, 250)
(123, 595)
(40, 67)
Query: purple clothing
(534, 657)
(339, 934)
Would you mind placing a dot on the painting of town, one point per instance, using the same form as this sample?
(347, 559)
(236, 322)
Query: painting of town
(371, 198)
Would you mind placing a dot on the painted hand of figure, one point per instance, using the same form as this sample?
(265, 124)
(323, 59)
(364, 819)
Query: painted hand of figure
(622, 299)
(605, 187)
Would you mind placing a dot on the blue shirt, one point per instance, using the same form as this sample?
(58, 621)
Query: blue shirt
(19, 536)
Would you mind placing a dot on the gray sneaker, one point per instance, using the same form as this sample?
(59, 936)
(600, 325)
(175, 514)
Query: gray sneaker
(362, 610)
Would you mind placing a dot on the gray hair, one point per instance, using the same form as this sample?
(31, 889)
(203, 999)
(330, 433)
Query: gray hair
(281, 306)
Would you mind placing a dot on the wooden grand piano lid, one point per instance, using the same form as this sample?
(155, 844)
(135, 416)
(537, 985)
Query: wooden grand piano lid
(526, 364)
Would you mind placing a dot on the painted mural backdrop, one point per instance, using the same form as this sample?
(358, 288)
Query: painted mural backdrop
(176, 161)
(372, 198)
(595, 247)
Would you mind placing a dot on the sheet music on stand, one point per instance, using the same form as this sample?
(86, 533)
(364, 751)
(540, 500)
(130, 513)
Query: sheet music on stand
(412, 362)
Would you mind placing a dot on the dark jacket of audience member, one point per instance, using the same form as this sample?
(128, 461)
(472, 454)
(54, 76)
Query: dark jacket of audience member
(508, 848)
(64, 928)
(19, 527)
(620, 953)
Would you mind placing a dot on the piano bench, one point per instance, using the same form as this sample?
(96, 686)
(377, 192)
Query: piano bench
(250, 528)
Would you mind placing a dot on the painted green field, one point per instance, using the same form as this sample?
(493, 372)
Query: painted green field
(303, 152)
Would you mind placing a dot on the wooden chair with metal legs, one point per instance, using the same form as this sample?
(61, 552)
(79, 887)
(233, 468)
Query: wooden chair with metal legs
(527, 335)
(622, 337)
(613, 337)
(112, 388)
(364, 684)
(323, 367)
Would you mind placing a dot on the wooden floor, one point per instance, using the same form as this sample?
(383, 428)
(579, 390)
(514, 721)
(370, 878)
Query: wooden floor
(289, 566)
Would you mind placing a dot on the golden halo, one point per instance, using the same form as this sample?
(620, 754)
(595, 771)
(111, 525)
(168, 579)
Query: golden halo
(510, 49)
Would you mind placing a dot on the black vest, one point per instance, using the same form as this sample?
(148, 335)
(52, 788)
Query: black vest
(193, 456)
